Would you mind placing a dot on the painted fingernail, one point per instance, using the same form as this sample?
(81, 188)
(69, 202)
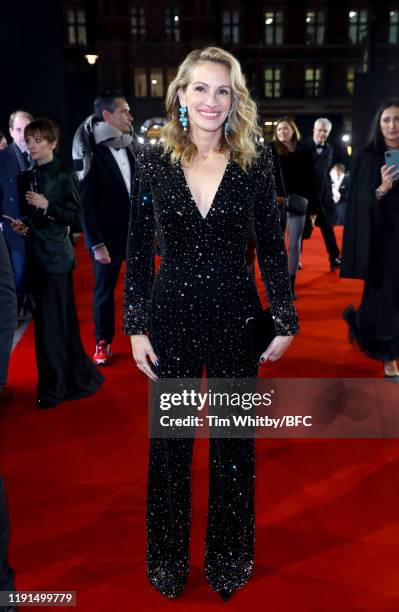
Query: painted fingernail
(262, 359)
(156, 362)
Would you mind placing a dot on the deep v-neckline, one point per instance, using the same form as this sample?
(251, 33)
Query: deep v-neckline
(211, 207)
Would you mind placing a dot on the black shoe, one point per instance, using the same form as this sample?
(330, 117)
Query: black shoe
(225, 594)
(42, 403)
(335, 264)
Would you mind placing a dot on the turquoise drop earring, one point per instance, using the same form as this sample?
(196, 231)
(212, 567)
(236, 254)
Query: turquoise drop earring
(183, 119)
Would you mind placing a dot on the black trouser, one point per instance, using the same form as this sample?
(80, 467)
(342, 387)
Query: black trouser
(105, 279)
(326, 228)
(230, 533)
(64, 369)
(8, 309)
(6, 573)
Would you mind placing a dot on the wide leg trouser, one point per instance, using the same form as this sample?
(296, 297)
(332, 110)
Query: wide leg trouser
(230, 533)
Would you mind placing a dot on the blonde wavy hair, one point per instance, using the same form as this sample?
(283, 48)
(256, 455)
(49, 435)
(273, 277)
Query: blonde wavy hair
(244, 131)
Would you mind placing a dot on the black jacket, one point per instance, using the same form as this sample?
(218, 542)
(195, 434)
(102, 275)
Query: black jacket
(105, 201)
(296, 175)
(362, 213)
(49, 248)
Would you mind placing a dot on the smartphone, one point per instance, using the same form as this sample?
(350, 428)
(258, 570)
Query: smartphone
(392, 159)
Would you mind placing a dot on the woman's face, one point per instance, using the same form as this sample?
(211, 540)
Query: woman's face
(389, 124)
(208, 96)
(284, 132)
(40, 149)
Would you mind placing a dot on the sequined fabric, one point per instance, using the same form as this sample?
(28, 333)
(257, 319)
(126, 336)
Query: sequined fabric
(194, 313)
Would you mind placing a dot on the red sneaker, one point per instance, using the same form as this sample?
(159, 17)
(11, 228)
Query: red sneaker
(103, 353)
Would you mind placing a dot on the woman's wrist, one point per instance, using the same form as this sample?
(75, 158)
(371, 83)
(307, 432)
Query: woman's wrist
(379, 192)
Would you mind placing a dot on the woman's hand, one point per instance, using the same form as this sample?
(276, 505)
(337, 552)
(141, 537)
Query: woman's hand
(141, 349)
(37, 199)
(276, 348)
(19, 227)
(388, 175)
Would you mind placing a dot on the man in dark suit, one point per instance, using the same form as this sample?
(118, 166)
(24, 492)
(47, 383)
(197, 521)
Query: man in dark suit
(322, 155)
(13, 159)
(8, 310)
(106, 170)
(8, 318)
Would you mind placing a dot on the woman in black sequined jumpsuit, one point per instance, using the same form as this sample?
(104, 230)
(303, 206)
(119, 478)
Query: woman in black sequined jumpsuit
(193, 315)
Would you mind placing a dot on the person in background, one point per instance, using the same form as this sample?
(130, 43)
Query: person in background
(106, 190)
(371, 242)
(339, 184)
(3, 141)
(297, 177)
(322, 155)
(49, 195)
(8, 310)
(13, 159)
(8, 319)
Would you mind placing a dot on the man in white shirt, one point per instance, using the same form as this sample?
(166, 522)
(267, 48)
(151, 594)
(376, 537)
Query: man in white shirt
(106, 191)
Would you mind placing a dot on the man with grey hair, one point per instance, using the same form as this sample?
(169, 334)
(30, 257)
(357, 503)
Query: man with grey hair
(13, 159)
(321, 153)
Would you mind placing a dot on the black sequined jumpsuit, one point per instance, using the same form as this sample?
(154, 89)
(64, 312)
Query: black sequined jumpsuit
(195, 314)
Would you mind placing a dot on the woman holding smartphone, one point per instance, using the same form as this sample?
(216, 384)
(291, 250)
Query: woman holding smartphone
(371, 242)
(205, 187)
(50, 201)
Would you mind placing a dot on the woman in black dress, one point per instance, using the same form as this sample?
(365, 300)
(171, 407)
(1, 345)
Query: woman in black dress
(297, 177)
(50, 200)
(204, 189)
(371, 242)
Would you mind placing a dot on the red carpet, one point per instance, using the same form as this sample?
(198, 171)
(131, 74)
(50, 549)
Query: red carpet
(327, 510)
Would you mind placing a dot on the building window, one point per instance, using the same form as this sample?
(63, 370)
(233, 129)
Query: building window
(140, 83)
(274, 27)
(313, 82)
(315, 27)
(172, 23)
(358, 26)
(156, 80)
(137, 22)
(231, 27)
(171, 74)
(272, 82)
(350, 78)
(393, 33)
(77, 32)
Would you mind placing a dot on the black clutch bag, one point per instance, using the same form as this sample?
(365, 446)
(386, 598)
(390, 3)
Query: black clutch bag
(296, 204)
(261, 332)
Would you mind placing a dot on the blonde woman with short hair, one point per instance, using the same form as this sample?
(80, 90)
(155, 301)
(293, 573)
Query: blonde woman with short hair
(205, 187)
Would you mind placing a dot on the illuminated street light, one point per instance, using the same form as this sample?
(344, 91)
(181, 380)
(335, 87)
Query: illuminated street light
(176, 17)
(91, 58)
(352, 14)
(269, 21)
(346, 138)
